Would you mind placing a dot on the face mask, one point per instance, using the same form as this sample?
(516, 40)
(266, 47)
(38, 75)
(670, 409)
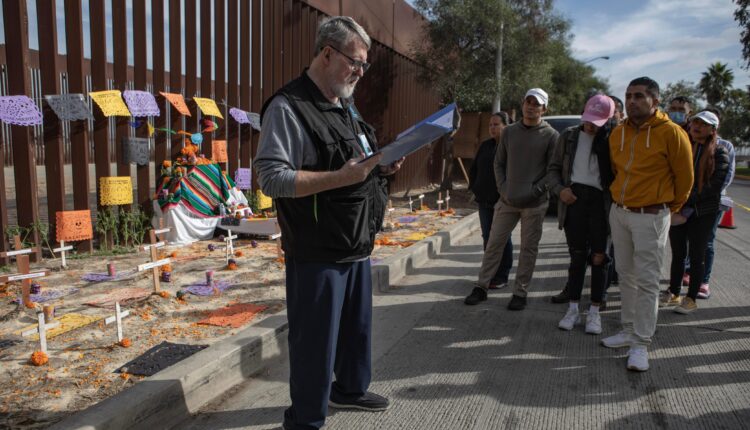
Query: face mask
(677, 117)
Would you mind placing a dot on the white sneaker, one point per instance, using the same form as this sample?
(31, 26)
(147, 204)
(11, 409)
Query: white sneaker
(620, 340)
(570, 319)
(638, 358)
(593, 323)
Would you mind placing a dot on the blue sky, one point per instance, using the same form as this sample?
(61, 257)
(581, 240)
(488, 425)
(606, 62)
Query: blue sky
(667, 40)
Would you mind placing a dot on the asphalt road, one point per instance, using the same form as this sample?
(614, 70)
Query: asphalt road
(445, 365)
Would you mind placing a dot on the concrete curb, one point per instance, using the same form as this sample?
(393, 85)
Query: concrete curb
(385, 273)
(169, 397)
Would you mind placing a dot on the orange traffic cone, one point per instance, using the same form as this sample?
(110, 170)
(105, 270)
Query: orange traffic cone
(727, 221)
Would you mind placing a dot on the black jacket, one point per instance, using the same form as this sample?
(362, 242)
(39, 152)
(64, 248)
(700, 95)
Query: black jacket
(708, 200)
(337, 225)
(562, 165)
(482, 175)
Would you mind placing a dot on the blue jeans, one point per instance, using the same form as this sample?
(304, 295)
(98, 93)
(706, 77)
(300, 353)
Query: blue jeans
(329, 308)
(485, 222)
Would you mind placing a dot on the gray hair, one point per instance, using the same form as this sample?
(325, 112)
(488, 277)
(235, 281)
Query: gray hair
(338, 31)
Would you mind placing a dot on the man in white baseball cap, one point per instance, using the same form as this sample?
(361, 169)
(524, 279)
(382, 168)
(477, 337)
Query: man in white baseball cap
(539, 94)
(527, 146)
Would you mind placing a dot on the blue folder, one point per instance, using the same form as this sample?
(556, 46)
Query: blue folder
(419, 135)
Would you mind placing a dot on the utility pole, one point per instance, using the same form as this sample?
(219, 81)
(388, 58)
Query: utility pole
(496, 105)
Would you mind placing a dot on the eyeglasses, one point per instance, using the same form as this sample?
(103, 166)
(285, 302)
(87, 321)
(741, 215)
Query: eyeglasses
(354, 64)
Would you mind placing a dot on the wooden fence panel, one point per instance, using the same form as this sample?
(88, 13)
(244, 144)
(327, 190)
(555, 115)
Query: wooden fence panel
(157, 46)
(175, 73)
(206, 58)
(248, 49)
(120, 55)
(79, 138)
(219, 90)
(246, 8)
(233, 86)
(102, 151)
(143, 176)
(54, 163)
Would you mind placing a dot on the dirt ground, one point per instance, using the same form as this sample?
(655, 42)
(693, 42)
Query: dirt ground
(82, 362)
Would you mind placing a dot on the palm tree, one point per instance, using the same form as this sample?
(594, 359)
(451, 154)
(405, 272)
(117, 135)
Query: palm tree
(716, 82)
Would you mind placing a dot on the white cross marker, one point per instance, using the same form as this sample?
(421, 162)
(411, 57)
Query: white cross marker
(447, 199)
(154, 245)
(62, 250)
(117, 317)
(42, 328)
(22, 276)
(421, 201)
(230, 244)
(440, 202)
(154, 264)
(411, 209)
(17, 252)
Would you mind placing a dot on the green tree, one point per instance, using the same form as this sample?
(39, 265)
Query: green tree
(742, 16)
(682, 88)
(716, 82)
(735, 117)
(461, 49)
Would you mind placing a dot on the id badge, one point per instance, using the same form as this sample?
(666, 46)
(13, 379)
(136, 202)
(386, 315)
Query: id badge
(365, 144)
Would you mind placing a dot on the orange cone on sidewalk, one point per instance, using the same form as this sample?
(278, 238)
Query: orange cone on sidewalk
(727, 221)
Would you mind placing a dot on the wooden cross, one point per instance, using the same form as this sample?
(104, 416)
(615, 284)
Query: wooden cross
(22, 263)
(229, 244)
(154, 266)
(117, 317)
(62, 249)
(41, 328)
(440, 202)
(421, 201)
(411, 208)
(160, 232)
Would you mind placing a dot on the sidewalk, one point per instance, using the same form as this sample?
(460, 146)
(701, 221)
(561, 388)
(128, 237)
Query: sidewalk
(445, 365)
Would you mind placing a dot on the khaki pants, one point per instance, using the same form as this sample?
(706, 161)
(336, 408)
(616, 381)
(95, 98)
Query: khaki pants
(503, 222)
(640, 241)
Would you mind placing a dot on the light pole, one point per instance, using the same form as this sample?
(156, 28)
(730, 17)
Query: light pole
(603, 57)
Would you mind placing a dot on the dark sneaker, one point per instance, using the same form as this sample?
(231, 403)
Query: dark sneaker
(517, 303)
(478, 294)
(368, 402)
(563, 297)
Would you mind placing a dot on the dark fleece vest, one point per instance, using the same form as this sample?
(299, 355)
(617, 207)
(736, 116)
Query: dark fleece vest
(337, 225)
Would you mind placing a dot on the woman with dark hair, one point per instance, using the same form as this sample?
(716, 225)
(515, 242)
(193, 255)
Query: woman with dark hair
(482, 183)
(691, 227)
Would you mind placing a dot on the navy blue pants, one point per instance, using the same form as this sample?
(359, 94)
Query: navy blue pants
(329, 307)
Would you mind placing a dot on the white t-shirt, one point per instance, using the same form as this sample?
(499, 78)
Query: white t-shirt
(586, 163)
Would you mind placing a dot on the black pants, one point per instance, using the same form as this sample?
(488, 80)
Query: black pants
(690, 239)
(586, 233)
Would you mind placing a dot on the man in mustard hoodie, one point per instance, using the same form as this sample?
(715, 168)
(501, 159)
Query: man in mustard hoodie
(652, 163)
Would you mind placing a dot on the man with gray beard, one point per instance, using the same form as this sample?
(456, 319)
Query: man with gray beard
(331, 202)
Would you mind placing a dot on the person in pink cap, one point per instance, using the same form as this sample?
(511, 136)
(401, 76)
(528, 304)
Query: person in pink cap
(580, 174)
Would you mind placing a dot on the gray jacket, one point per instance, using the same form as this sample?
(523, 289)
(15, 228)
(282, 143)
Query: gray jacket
(521, 164)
